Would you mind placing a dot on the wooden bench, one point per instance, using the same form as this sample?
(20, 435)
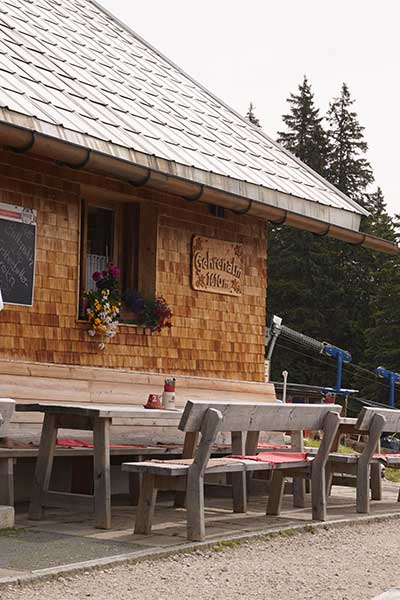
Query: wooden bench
(373, 422)
(244, 421)
(80, 476)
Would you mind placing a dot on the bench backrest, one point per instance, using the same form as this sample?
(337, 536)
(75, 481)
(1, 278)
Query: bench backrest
(391, 416)
(245, 416)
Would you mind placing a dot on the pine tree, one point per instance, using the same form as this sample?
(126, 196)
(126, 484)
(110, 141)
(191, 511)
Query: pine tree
(383, 329)
(305, 136)
(250, 116)
(298, 260)
(348, 169)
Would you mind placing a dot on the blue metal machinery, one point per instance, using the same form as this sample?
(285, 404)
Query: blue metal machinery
(393, 378)
(342, 356)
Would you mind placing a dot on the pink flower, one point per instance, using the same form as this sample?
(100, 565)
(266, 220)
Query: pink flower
(96, 276)
(115, 272)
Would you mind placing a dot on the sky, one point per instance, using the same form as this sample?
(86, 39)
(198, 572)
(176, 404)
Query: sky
(259, 52)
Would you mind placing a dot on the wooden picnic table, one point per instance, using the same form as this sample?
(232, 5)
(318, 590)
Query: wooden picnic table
(93, 417)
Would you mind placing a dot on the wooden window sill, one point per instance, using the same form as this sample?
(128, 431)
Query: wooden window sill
(138, 328)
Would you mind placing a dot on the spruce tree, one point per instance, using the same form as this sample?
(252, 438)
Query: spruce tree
(305, 136)
(250, 116)
(348, 168)
(383, 329)
(297, 260)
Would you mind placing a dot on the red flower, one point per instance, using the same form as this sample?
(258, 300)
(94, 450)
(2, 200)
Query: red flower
(96, 276)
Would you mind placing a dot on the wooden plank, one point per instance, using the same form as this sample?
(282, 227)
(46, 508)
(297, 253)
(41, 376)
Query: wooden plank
(103, 411)
(43, 468)
(74, 422)
(165, 467)
(391, 416)
(36, 373)
(148, 244)
(73, 452)
(101, 467)
(245, 416)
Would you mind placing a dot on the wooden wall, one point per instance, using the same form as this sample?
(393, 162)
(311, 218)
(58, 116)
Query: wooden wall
(212, 335)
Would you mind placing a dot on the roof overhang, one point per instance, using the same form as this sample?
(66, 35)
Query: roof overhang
(78, 150)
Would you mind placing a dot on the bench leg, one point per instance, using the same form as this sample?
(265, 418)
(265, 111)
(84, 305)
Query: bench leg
(43, 467)
(135, 484)
(196, 529)
(318, 493)
(147, 502)
(101, 472)
(376, 482)
(239, 492)
(7, 481)
(328, 478)
(299, 492)
(276, 493)
(363, 475)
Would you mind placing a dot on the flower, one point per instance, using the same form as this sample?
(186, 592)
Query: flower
(152, 313)
(103, 310)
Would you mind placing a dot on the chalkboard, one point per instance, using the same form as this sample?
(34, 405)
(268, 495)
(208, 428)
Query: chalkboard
(17, 261)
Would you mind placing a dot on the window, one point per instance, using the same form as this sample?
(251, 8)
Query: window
(109, 233)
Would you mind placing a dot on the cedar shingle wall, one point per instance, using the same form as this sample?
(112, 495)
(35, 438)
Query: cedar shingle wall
(212, 335)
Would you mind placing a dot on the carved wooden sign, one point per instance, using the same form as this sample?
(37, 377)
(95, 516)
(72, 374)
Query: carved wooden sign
(217, 266)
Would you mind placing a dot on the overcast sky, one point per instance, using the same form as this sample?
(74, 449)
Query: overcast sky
(260, 50)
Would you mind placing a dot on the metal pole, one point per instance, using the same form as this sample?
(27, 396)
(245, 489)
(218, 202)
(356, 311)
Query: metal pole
(285, 376)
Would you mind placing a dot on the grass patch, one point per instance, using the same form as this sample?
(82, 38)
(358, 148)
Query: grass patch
(392, 474)
(10, 532)
(226, 545)
(316, 444)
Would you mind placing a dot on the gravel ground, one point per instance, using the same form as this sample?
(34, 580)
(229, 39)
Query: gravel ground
(349, 563)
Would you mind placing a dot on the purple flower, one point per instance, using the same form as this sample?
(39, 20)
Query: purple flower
(96, 276)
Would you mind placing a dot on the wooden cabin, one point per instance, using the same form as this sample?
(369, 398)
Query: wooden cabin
(109, 152)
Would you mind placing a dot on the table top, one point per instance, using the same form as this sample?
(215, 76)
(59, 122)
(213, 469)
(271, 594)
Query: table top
(105, 411)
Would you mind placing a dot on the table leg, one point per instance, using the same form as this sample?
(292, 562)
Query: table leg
(7, 481)
(102, 483)
(44, 464)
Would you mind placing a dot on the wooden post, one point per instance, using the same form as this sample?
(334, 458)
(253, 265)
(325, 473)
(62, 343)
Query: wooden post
(101, 468)
(318, 481)
(189, 447)
(7, 481)
(44, 465)
(147, 501)
(195, 480)
(239, 492)
(363, 465)
(299, 486)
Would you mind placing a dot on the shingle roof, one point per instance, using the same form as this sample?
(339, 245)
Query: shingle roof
(69, 63)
